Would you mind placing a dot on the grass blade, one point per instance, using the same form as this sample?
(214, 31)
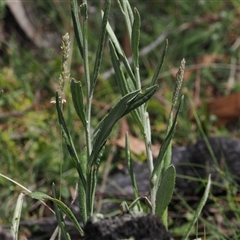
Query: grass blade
(199, 208)
(42, 196)
(59, 217)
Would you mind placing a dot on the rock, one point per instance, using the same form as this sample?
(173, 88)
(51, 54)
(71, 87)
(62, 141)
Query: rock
(140, 227)
(221, 160)
(194, 161)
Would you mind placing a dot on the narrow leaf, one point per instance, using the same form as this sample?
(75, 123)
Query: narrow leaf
(42, 196)
(126, 104)
(104, 128)
(114, 39)
(92, 183)
(128, 15)
(69, 142)
(84, 14)
(130, 166)
(125, 86)
(82, 201)
(83, 11)
(76, 25)
(130, 12)
(120, 51)
(77, 97)
(158, 167)
(160, 63)
(121, 81)
(17, 215)
(142, 98)
(128, 67)
(199, 208)
(165, 190)
(98, 58)
(120, 6)
(59, 216)
(135, 38)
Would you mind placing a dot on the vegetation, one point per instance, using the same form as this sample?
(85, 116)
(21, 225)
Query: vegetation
(31, 138)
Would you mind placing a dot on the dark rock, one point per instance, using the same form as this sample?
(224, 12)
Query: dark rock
(194, 161)
(221, 159)
(143, 227)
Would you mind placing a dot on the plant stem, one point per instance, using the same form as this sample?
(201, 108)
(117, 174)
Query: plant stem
(87, 80)
(83, 10)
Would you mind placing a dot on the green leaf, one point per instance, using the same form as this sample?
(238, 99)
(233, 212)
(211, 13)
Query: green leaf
(119, 50)
(92, 183)
(160, 63)
(69, 142)
(159, 165)
(42, 196)
(128, 16)
(17, 215)
(130, 166)
(199, 208)
(104, 128)
(82, 201)
(126, 104)
(77, 97)
(120, 6)
(83, 11)
(114, 39)
(165, 190)
(59, 216)
(121, 80)
(129, 11)
(135, 38)
(125, 86)
(128, 67)
(76, 26)
(101, 43)
(142, 98)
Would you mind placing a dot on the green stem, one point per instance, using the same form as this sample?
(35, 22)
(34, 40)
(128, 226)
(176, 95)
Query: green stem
(88, 84)
(148, 146)
(83, 10)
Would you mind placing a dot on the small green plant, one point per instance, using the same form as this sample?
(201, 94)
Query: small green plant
(134, 100)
